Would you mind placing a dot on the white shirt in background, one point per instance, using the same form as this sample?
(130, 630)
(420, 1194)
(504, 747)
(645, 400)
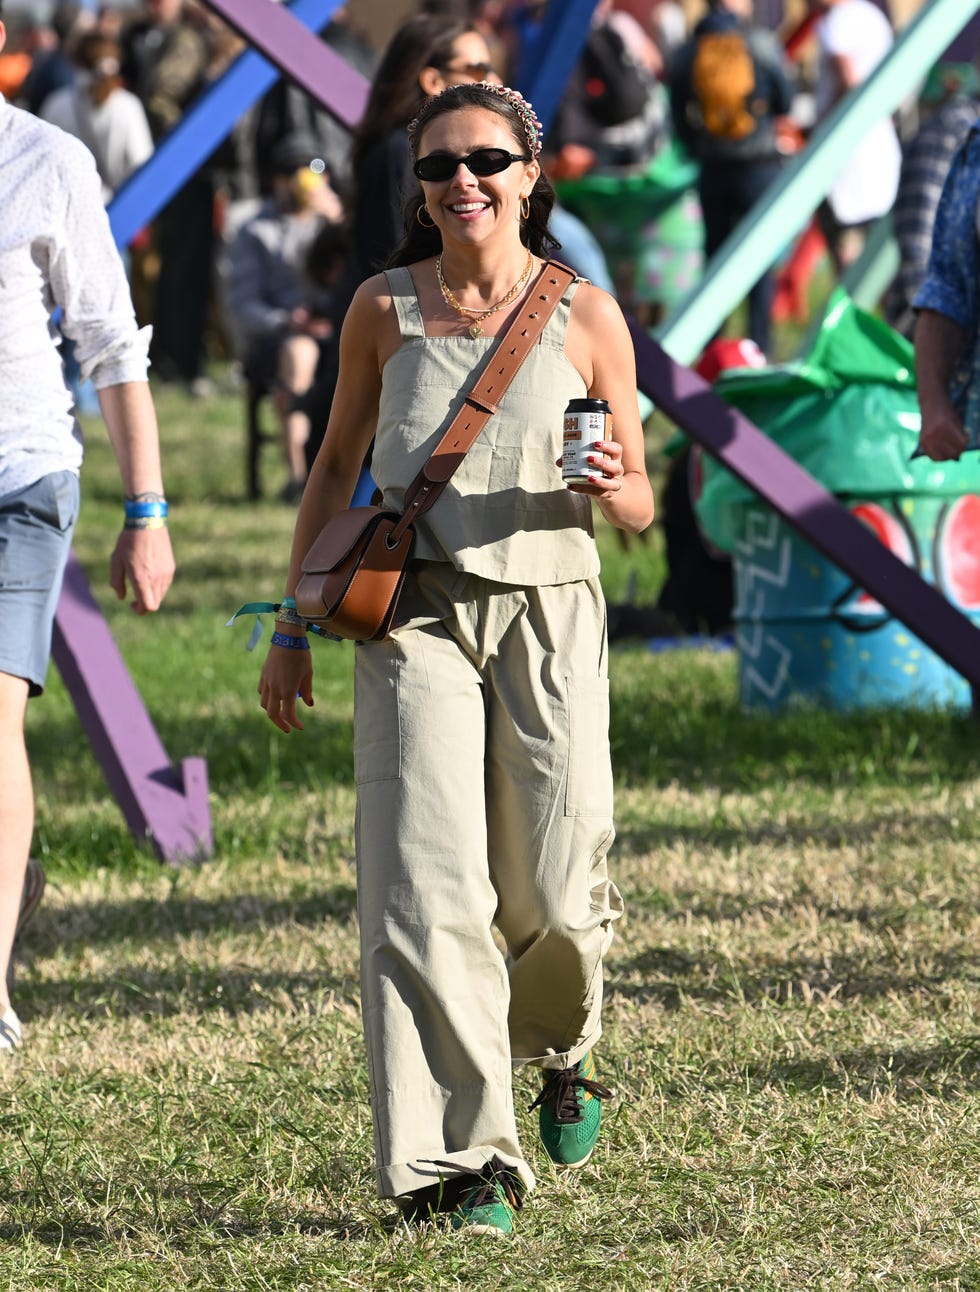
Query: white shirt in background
(116, 131)
(867, 187)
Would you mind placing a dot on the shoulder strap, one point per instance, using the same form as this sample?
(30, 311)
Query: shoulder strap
(406, 302)
(484, 395)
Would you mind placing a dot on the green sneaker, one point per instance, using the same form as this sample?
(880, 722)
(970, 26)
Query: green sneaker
(488, 1205)
(571, 1112)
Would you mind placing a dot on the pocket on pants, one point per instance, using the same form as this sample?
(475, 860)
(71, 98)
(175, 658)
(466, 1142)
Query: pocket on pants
(49, 503)
(588, 784)
(57, 499)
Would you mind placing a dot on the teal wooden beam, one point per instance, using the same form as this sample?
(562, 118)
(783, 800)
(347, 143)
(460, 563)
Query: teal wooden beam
(761, 238)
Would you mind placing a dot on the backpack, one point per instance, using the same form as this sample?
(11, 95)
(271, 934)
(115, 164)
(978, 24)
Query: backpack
(615, 88)
(723, 81)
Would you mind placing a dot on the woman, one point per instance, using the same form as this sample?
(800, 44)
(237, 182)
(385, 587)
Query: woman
(100, 111)
(481, 724)
(425, 55)
(112, 124)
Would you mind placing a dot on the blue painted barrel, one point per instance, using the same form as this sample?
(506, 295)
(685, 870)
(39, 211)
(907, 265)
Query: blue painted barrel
(806, 632)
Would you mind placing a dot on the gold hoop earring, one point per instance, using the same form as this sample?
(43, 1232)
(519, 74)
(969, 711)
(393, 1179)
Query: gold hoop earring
(430, 223)
(525, 207)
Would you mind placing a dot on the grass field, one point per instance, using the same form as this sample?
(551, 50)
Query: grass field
(790, 1023)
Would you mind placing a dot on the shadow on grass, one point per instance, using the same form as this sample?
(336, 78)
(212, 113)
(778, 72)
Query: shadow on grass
(185, 1234)
(107, 923)
(888, 828)
(188, 990)
(669, 976)
(199, 985)
(944, 1069)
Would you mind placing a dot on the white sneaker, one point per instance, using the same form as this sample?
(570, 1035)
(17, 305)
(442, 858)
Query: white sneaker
(11, 1037)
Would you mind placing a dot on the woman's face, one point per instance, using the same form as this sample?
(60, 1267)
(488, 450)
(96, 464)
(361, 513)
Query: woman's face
(469, 208)
(469, 61)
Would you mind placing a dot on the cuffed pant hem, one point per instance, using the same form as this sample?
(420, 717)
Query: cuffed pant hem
(405, 1178)
(566, 1059)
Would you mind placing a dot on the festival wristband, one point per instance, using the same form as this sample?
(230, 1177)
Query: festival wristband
(260, 608)
(145, 522)
(289, 642)
(140, 508)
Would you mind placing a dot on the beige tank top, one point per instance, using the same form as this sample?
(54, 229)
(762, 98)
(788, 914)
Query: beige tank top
(505, 515)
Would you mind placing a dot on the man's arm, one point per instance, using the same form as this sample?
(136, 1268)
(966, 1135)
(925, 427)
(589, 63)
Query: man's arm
(142, 556)
(947, 304)
(938, 343)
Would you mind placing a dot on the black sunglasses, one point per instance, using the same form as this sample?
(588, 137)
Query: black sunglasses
(483, 161)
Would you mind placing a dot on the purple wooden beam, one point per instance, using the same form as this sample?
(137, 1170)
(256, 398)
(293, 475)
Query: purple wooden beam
(164, 807)
(311, 63)
(784, 485)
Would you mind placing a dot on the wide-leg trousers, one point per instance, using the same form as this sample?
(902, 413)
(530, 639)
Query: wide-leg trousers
(484, 799)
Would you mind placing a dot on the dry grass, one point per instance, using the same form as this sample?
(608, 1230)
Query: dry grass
(790, 1022)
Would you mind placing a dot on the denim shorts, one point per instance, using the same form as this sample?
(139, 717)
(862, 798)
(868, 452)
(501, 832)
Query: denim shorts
(36, 526)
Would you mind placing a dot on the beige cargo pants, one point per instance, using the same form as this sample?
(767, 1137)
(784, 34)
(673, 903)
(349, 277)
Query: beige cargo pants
(484, 798)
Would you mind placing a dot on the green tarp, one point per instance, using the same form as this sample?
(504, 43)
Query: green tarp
(848, 413)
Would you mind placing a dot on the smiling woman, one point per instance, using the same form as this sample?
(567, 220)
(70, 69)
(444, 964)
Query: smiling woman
(481, 747)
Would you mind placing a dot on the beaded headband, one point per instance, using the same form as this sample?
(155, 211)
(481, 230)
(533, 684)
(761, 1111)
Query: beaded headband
(533, 129)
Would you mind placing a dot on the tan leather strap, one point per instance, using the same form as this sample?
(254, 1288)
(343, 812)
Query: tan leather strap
(481, 401)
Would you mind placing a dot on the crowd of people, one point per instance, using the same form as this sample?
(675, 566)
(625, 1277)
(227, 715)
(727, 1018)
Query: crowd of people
(365, 284)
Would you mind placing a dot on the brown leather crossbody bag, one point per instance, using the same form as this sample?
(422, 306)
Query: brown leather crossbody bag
(355, 569)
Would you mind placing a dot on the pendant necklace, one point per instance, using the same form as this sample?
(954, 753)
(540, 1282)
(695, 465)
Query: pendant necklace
(475, 329)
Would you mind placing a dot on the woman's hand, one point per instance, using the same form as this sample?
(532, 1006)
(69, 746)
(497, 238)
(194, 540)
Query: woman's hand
(287, 675)
(607, 475)
(599, 345)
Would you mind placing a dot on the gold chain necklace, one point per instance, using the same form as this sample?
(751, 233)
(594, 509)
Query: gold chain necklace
(475, 330)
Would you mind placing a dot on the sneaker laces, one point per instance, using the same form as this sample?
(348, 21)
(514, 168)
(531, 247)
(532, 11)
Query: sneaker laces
(560, 1090)
(488, 1183)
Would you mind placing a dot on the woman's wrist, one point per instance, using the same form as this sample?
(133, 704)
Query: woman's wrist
(290, 641)
(290, 627)
(288, 614)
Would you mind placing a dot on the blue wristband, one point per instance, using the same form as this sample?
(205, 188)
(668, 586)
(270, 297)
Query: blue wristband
(290, 642)
(135, 509)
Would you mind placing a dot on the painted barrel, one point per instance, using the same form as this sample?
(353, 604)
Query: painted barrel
(807, 633)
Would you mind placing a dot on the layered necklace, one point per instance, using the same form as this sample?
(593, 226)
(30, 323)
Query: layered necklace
(475, 329)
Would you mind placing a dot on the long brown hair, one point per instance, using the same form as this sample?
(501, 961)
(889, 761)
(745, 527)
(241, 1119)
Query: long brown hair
(426, 40)
(100, 55)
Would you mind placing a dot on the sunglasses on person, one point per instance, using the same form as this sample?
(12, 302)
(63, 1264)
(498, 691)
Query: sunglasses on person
(479, 71)
(482, 162)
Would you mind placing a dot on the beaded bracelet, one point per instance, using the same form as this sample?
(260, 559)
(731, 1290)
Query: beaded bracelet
(290, 642)
(285, 615)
